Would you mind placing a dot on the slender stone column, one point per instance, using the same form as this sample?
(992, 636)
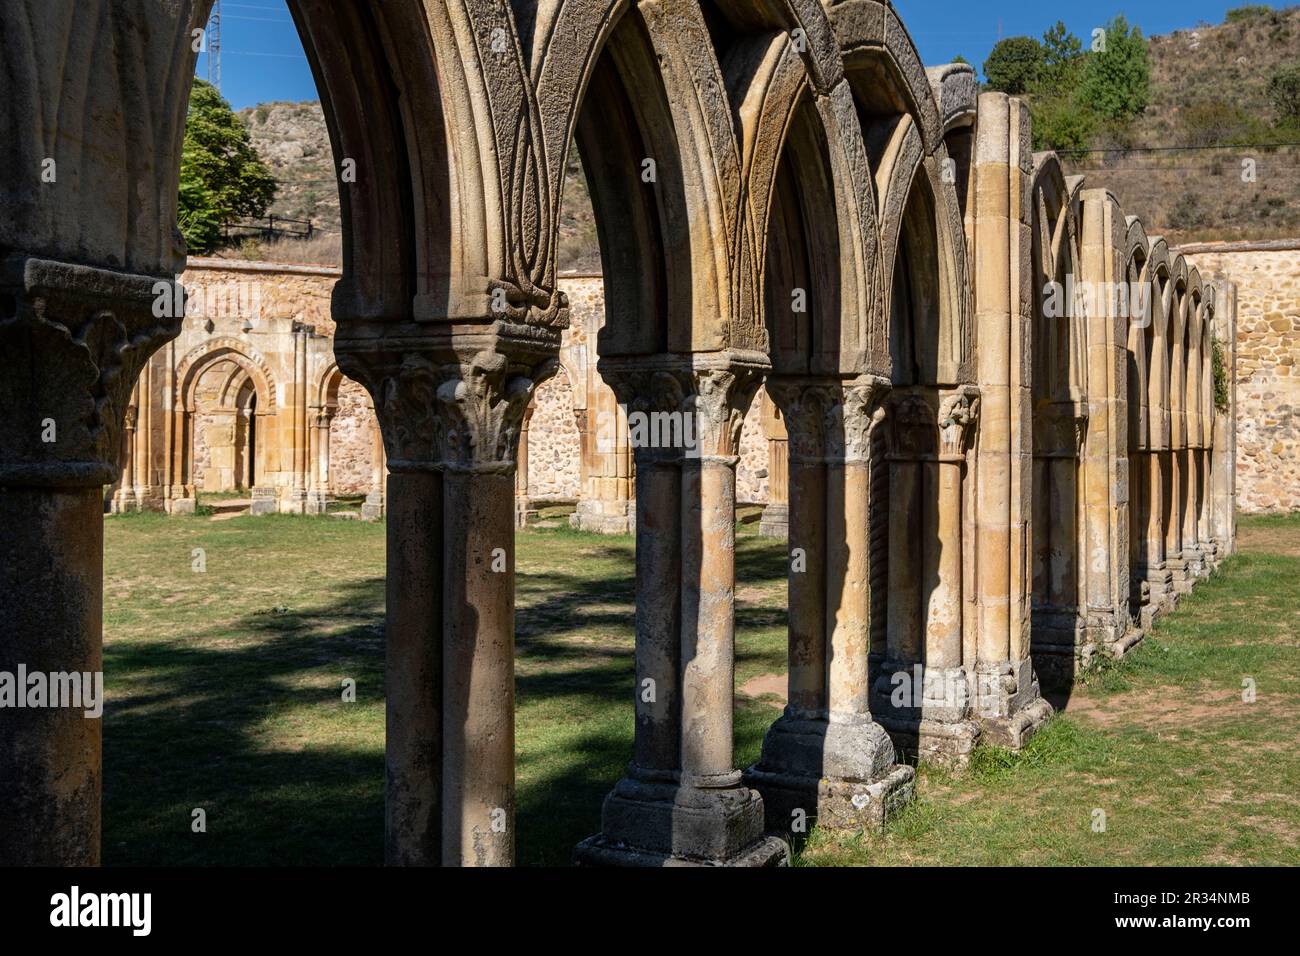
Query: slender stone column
(1175, 561)
(1223, 441)
(775, 522)
(319, 448)
(73, 340)
(826, 758)
(1009, 704)
(1159, 579)
(374, 506)
(450, 414)
(694, 810)
(658, 609)
(524, 509)
(124, 498)
(605, 505)
(293, 498)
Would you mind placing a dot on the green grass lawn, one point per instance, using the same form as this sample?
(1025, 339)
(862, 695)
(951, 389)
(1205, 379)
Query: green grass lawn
(225, 693)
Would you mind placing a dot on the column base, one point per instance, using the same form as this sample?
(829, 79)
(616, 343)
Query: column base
(123, 505)
(841, 775)
(373, 508)
(316, 504)
(604, 517)
(775, 522)
(264, 502)
(183, 506)
(524, 512)
(647, 823)
(1011, 705)
(1180, 579)
(1060, 649)
(1129, 640)
(936, 729)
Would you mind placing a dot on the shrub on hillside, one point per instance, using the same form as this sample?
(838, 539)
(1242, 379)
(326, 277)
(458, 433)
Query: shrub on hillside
(1250, 11)
(1284, 93)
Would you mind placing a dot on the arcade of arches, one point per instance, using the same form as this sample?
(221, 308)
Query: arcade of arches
(995, 469)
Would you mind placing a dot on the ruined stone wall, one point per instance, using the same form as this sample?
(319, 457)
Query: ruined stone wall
(258, 301)
(1268, 380)
(350, 440)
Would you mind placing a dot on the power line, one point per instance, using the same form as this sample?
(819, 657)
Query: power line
(1170, 149)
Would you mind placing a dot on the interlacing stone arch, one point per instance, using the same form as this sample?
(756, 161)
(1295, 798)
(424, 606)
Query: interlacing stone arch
(782, 193)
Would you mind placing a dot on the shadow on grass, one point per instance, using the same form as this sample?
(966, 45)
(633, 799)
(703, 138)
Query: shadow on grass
(245, 720)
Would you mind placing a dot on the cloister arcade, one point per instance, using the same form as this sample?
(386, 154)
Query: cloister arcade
(784, 197)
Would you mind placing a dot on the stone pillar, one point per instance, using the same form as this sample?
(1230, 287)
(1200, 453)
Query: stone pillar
(775, 522)
(1105, 491)
(294, 497)
(319, 446)
(826, 759)
(923, 691)
(1175, 561)
(1009, 705)
(605, 504)
(124, 499)
(1223, 441)
(1060, 635)
(1159, 579)
(451, 424)
(694, 809)
(524, 510)
(73, 339)
(374, 509)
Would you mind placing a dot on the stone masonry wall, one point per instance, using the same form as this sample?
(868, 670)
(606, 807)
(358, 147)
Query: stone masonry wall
(1268, 373)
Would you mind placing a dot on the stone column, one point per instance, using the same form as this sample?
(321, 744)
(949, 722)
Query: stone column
(294, 498)
(775, 522)
(124, 499)
(694, 810)
(524, 509)
(826, 758)
(1177, 489)
(450, 419)
(318, 490)
(1223, 441)
(1159, 578)
(605, 504)
(73, 339)
(1009, 705)
(373, 509)
(1105, 490)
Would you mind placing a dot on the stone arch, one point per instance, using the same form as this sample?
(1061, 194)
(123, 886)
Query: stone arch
(249, 370)
(1059, 400)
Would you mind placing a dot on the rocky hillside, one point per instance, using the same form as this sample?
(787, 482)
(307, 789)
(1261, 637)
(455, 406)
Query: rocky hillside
(292, 139)
(1209, 89)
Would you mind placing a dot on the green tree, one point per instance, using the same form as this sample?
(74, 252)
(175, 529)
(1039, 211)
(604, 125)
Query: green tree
(1062, 60)
(1014, 65)
(222, 177)
(1117, 79)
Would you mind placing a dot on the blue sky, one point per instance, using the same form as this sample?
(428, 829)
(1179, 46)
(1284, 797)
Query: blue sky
(262, 58)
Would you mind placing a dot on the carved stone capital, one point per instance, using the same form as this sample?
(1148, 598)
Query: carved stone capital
(705, 399)
(859, 409)
(958, 415)
(804, 408)
(444, 409)
(74, 340)
(829, 419)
